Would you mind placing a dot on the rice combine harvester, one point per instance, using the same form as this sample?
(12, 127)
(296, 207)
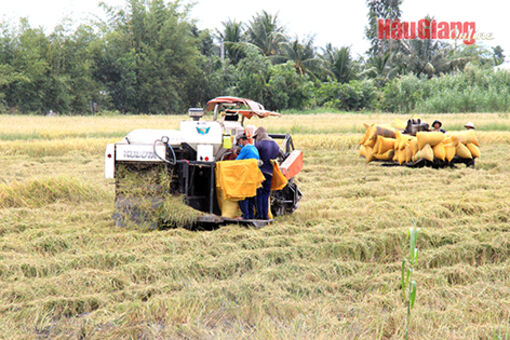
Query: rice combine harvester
(189, 158)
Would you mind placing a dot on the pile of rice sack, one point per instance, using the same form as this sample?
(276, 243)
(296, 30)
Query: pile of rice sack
(388, 143)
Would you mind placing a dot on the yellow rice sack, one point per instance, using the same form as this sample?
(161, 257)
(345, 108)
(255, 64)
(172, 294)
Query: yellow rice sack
(369, 154)
(475, 151)
(364, 150)
(401, 156)
(387, 156)
(376, 145)
(439, 151)
(450, 150)
(431, 138)
(411, 139)
(398, 138)
(384, 144)
(366, 134)
(426, 153)
(395, 156)
(409, 153)
(465, 137)
(402, 143)
(462, 151)
(369, 136)
(369, 139)
(386, 131)
(413, 143)
(404, 140)
(370, 143)
(451, 140)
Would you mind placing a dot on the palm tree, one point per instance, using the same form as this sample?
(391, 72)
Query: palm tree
(340, 63)
(232, 36)
(265, 32)
(498, 55)
(302, 56)
(430, 57)
(427, 56)
(424, 56)
(380, 68)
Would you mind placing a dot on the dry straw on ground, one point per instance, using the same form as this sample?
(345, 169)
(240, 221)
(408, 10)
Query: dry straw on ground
(331, 270)
(145, 200)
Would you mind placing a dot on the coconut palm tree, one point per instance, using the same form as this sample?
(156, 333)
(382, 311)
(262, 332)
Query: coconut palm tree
(265, 32)
(424, 56)
(340, 63)
(380, 68)
(429, 57)
(232, 36)
(303, 56)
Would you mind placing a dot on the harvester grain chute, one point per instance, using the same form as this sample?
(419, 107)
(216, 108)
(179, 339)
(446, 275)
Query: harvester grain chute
(183, 163)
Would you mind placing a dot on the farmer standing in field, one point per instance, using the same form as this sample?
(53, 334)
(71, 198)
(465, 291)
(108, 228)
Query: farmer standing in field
(469, 126)
(248, 151)
(268, 150)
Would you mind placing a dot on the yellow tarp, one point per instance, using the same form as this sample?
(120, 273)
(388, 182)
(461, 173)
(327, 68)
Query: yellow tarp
(238, 179)
(228, 208)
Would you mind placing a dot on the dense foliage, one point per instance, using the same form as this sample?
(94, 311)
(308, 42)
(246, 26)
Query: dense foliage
(149, 57)
(473, 90)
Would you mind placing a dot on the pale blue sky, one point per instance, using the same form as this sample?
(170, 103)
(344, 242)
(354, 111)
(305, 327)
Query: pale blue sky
(339, 22)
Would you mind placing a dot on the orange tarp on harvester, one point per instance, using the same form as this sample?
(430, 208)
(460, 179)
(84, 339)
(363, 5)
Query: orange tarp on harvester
(278, 181)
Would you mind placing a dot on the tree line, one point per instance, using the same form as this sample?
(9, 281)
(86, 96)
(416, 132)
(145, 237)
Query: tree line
(150, 57)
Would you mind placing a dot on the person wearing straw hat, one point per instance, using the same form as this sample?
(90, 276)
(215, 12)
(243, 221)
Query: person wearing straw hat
(469, 126)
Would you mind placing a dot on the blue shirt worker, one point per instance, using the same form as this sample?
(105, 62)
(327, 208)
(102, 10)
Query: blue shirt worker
(268, 150)
(248, 151)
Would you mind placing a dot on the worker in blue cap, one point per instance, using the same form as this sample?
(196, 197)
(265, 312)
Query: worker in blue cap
(248, 151)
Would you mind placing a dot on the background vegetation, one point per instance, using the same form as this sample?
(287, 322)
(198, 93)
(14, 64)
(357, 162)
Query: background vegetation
(330, 271)
(149, 57)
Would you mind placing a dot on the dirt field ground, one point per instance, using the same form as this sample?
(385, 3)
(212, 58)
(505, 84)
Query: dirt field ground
(331, 270)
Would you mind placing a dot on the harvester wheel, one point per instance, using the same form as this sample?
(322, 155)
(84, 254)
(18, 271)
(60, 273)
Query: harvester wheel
(285, 201)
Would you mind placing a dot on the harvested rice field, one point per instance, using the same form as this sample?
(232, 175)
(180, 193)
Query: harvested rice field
(330, 270)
